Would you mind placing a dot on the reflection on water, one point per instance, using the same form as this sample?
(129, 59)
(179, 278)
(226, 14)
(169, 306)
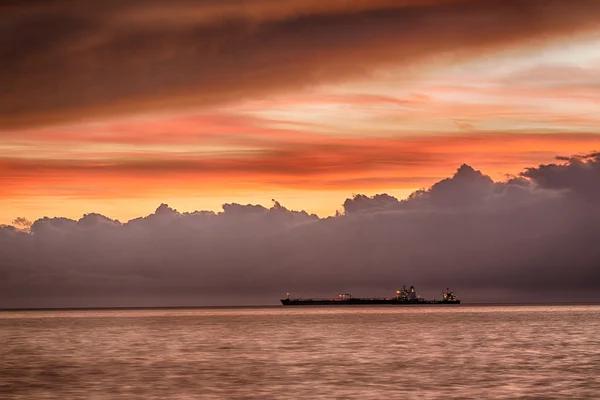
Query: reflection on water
(307, 353)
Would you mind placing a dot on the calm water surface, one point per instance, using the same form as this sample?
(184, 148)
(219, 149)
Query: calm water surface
(460, 352)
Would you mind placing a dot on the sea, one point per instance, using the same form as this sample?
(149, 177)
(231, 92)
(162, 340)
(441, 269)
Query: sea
(386, 352)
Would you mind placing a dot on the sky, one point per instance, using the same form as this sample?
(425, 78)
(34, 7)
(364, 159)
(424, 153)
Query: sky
(118, 109)
(112, 111)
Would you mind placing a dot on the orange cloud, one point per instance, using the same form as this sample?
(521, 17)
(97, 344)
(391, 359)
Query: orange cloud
(69, 63)
(343, 163)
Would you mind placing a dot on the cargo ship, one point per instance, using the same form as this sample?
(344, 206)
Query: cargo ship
(402, 297)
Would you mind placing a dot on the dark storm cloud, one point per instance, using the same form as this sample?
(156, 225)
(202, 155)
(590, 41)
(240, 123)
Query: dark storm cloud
(494, 241)
(63, 60)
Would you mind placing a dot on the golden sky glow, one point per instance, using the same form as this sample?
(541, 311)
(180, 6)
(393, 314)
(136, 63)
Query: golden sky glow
(393, 128)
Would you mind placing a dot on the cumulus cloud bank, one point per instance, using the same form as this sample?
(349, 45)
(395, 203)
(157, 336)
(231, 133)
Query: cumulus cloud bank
(532, 237)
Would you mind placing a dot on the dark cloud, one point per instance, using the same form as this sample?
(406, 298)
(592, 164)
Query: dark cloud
(529, 238)
(379, 202)
(467, 188)
(580, 175)
(64, 61)
(22, 222)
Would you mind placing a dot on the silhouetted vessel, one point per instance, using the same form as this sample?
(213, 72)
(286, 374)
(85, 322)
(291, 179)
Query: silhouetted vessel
(403, 297)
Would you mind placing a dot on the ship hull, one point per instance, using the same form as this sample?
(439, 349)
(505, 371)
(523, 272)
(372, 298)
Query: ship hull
(359, 301)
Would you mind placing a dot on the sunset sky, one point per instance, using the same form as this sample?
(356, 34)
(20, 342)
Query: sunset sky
(118, 108)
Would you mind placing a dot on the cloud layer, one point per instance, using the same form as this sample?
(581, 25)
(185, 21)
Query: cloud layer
(63, 62)
(533, 237)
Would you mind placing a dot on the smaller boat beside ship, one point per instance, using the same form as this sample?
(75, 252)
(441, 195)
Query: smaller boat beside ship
(402, 297)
